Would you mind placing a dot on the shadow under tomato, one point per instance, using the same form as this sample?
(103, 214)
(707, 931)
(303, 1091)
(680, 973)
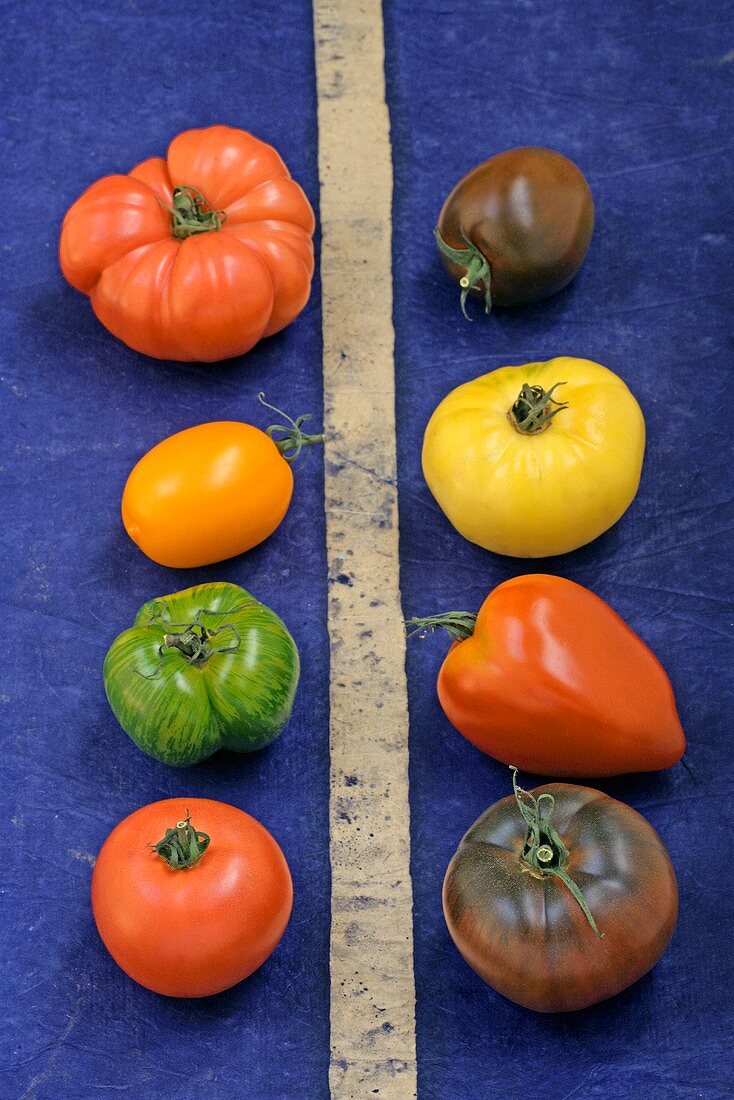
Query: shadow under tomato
(628, 1011)
(232, 768)
(54, 310)
(439, 290)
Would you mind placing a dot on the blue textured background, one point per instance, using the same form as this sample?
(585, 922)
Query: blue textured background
(640, 96)
(83, 95)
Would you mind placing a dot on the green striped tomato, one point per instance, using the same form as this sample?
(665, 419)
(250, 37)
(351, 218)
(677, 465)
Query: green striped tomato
(204, 669)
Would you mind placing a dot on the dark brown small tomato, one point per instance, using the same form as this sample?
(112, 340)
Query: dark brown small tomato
(559, 916)
(516, 229)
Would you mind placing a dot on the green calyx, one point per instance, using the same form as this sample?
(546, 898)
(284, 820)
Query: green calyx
(191, 213)
(459, 625)
(477, 271)
(291, 438)
(195, 642)
(182, 847)
(535, 408)
(544, 852)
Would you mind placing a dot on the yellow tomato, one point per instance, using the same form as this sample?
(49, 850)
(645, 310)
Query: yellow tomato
(212, 491)
(206, 494)
(537, 459)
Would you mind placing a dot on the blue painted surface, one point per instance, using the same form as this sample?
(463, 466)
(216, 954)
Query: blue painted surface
(641, 98)
(83, 95)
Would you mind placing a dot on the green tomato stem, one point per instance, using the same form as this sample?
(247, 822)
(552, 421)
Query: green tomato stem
(544, 852)
(182, 847)
(191, 213)
(292, 439)
(194, 642)
(459, 625)
(532, 412)
(477, 274)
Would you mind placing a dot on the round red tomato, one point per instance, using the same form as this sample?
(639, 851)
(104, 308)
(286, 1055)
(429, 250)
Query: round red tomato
(560, 897)
(195, 256)
(190, 896)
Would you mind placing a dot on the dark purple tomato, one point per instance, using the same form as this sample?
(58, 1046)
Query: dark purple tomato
(516, 229)
(559, 914)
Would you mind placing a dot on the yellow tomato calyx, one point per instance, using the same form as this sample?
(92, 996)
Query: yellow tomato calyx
(532, 412)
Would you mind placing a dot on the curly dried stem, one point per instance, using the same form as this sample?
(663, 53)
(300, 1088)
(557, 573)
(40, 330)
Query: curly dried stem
(292, 439)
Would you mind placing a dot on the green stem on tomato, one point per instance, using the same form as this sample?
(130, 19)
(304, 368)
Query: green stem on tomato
(544, 852)
(533, 410)
(292, 439)
(459, 625)
(477, 270)
(182, 847)
(191, 213)
(194, 642)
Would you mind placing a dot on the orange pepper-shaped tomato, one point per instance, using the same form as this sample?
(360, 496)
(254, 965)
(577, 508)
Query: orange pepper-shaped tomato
(547, 677)
(198, 256)
(212, 491)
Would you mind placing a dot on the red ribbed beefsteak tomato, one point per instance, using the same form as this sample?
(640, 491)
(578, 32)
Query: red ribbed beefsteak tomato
(198, 256)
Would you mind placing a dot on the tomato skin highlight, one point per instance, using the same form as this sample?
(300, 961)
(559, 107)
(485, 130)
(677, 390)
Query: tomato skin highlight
(530, 213)
(195, 293)
(526, 935)
(193, 932)
(207, 493)
(554, 681)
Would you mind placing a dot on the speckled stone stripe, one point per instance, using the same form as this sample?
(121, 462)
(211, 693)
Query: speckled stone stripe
(372, 984)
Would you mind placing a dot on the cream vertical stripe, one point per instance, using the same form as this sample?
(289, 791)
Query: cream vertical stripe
(372, 985)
